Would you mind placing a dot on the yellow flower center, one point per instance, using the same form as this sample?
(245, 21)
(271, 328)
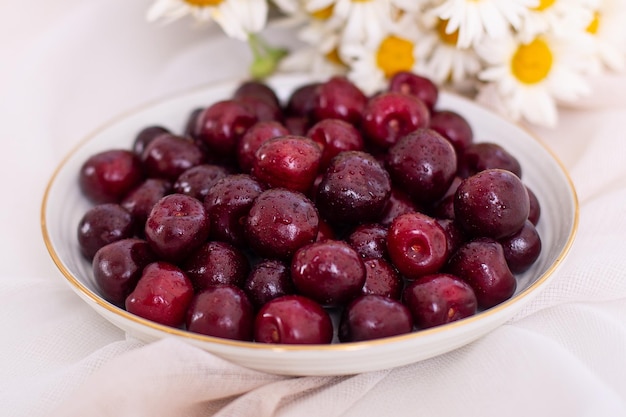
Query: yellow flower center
(595, 24)
(449, 38)
(395, 54)
(323, 14)
(532, 62)
(543, 5)
(333, 56)
(203, 3)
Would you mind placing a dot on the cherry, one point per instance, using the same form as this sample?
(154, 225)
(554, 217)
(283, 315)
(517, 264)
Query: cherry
(381, 278)
(103, 224)
(268, 279)
(302, 101)
(288, 161)
(417, 245)
(534, 212)
(339, 98)
(167, 156)
(481, 263)
(141, 199)
(399, 203)
(487, 155)
(522, 249)
(389, 116)
(145, 136)
(335, 136)
(369, 240)
(216, 263)
(439, 299)
(492, 203)
(221, 125)
(177, 225)
(221, 311)
(254, 137)
(293, 319)
(198, 180)
(453, 127)
(227, 205)
(162, 294)
(373, 317)
(354, 189)
(329, 272)
(412, 84)
(190, 124)
(279, 222)
(258, 90)
(423, 163)
(107, 176)
(118, 266)
(454, 235)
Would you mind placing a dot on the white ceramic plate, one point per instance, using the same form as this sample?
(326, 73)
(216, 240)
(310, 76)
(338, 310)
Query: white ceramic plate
(63, 206)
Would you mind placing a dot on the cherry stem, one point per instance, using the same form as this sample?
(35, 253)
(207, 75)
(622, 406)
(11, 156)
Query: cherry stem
(265, 57)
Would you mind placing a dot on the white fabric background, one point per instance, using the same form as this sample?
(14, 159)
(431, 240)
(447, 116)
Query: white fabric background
(67, 66)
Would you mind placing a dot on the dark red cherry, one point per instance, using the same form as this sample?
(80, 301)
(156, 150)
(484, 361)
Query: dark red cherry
(167, 156)
(412, 84)
(417, 245)
(339, 98)
(279, 222)
(454, 127)
(522, 249)
(487, 155)
(293, 319)
(439, 299)
(216, 263)
(221, 311)
(492, 203)
(221, 125)
(118, 266)
(162, 294)
(381, 278)
(290, 162)
(145, 136)
(198, 180)
(329, 272)
(335, 136)
(354, 189)
(227, 205)
(107, 176)
(387, 117)
(140, 200)
(372, 317)
(177, 225)
(254, 137)
(268, 279)
(423, 163)
(481, 263)
(104, 224)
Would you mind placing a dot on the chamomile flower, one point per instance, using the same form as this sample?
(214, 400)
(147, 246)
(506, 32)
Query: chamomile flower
(362, 19)
(475, 18)
(321, 55)
(531, 77)
(372, 64)
(446, 62)
(238, 18)
(608, 33)
(560, 17)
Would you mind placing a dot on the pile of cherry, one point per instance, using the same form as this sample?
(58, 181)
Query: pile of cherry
(259, 217)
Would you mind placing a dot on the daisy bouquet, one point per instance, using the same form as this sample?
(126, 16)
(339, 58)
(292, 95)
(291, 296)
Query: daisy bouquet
(522, 58)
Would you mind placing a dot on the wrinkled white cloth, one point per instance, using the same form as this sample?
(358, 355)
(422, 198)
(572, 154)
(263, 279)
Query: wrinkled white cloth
(68, 66)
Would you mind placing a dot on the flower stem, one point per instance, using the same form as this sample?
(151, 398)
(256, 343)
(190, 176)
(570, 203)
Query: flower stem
(265, 57)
